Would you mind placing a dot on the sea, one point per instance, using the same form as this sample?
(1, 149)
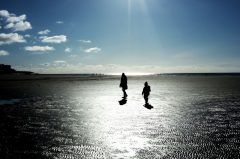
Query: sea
(191, 116)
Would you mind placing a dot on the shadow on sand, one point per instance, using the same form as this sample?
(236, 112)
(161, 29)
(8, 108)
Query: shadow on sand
(148, 106)
(123, 101)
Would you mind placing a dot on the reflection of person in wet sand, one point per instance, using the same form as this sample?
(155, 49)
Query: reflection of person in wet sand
(123, 84)
(146, 91)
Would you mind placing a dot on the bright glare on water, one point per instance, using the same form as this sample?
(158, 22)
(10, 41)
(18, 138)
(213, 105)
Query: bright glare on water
(193, 117)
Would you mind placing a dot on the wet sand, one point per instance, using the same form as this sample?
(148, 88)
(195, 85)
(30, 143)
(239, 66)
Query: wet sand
(193, 117)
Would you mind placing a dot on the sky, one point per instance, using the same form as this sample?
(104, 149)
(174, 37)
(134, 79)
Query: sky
(114, 36)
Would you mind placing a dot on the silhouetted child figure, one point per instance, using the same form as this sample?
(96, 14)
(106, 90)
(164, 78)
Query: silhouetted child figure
(146, 91)
(123, 84)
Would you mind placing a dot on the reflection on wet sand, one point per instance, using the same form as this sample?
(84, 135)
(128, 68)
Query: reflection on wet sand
(71, 119)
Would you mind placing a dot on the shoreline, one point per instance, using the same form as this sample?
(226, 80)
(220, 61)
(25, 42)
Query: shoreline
(32, 77)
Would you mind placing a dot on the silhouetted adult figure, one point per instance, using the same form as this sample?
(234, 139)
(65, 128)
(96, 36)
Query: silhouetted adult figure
(123, 84)
(146, 91)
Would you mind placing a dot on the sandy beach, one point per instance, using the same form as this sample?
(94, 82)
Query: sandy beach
(192, 117)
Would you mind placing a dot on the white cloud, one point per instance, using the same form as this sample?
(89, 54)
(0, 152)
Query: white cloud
(27, 35)
(39, 48)
(9, 26)
(129, 69)
(11, 38)
(63, 67)
(59, 22)
(4, 13)
(86, 41)
(16, 23)
(68, 49)
(45, 64)
(54, 39)
(44, 32)
(0, 27)
(19, 26)
(59, 61)
(3, 53)
(93, 50)
(41, 37)
(72, 56)
(14, 19)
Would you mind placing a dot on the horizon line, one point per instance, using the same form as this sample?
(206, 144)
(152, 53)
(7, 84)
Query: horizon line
(138, 74)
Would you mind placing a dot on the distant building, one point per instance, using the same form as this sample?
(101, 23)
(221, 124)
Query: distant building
(6, 69)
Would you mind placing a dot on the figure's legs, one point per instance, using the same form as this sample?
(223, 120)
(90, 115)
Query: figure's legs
(146, 99)
(124, 93)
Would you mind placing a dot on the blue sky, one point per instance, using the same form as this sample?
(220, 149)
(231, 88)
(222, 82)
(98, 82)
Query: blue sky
(112, 36)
